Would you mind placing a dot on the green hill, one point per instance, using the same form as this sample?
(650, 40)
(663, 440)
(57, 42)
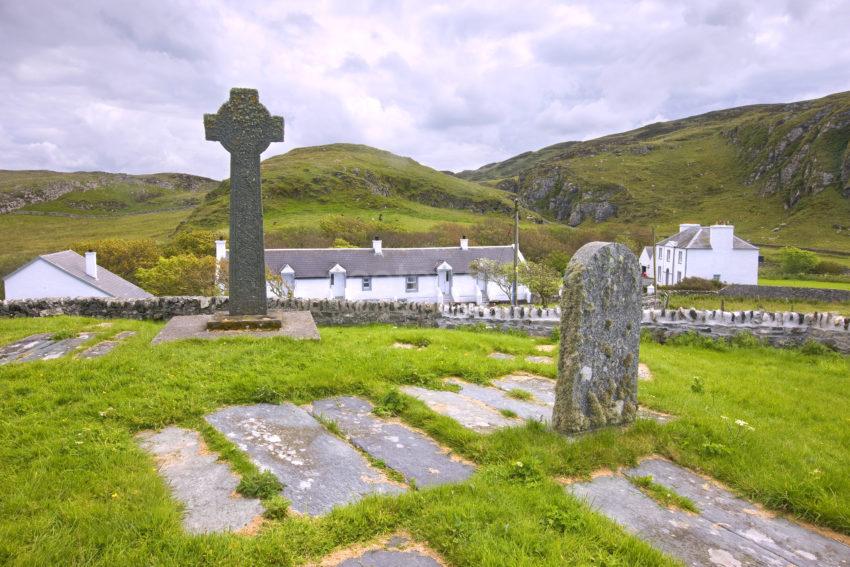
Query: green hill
(46, 211)
(780, 173)
(360, 183)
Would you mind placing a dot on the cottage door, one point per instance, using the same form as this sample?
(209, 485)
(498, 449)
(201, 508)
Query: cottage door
(338, 284)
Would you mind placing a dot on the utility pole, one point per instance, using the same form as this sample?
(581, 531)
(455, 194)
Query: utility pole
(514, 299)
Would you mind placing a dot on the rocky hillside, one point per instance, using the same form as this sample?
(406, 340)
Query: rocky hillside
(780, 172)
(98, 192)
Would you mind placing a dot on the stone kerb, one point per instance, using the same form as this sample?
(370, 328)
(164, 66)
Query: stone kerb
(600, 339)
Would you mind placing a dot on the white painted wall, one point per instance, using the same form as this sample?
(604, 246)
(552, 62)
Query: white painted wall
(464, 288)
(733, 266)
(42, 279)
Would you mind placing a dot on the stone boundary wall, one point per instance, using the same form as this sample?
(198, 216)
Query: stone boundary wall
(325, 312)
(779, 329)
(785, 292)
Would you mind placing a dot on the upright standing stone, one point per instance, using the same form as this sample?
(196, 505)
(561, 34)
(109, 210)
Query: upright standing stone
(245, 129)
(600, 332)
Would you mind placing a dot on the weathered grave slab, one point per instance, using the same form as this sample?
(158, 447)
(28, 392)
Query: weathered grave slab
(501, 356)
(41, 347)
(660, 417)
(644, 373)
(600, 332)
(394, 551)
(205, 486)
(295, 325)
(540, 359)
(545, 348)
(404, 450)
(318, 470)
(468, 412)
(499, 399)
(543, 389)
(105, 347)
(728, 531)
(11, 351)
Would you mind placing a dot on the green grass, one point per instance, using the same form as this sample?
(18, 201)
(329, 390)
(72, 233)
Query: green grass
(805, 283)
(520, 394)
(746, 304)
(663, 495)
(71, 465)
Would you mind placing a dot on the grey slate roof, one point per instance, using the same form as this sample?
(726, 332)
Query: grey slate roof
(700, 238)
(72, 263)
(316, 262)
(650, 251)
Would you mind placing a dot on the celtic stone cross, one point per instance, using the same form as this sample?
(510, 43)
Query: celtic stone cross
(245, 129)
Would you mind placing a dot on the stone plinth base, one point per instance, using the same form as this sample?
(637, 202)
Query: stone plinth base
(225, 322)
(292, 324)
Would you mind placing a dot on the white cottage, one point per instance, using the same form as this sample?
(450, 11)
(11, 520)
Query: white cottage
(708, 252)
(378, 273)
(67, 274)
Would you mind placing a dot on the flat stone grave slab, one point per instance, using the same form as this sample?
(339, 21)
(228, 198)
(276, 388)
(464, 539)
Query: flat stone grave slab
(395, 551)
(644, 373)
(728, 531)
(469, 412)
(404, 450)
(105, 347)
(294, 324)
(204, 485)
(545, 348)
(41, 347)
(499, 399)
(318, 469)
(543, 389)
(540, 359)
(501, 356)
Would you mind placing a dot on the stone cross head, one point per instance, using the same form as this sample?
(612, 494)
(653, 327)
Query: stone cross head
(243, 125)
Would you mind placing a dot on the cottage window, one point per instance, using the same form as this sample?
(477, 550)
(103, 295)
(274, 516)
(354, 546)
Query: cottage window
(716, 277)
(668, 255)
(366, 284)
(411, 283)
(332, 279)
(678, 277)
(680, 256)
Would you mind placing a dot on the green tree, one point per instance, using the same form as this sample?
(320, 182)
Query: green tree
(796, 261)
(122, 256)
(542, 280)
(196, 242)
(492, 271)
(185, 274)
(342, 243)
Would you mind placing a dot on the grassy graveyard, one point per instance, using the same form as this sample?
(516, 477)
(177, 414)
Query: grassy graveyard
(771, 424)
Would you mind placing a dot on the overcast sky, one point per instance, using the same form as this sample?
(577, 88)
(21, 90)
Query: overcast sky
(122, 86)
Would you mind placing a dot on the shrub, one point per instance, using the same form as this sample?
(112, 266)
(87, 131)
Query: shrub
(697, 284)
(180, 275)
(122, 256)
(797, 261)
(195, 242)
(828, 267)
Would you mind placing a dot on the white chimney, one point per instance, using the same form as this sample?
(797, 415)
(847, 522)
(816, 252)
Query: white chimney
(220, 249)
(464, 243)
(377, 246)
(721, 236)
(686, 226)
(91, 264)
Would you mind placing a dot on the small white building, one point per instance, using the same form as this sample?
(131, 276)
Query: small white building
(647, 261)
(708, 252)
(67, 274)
(439, 275)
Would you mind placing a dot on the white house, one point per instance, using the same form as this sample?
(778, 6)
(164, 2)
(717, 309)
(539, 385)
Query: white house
(67, 274)
(708, 252)
(647, 260)
(378, 273)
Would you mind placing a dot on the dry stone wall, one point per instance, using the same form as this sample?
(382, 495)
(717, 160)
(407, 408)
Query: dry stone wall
(779, 329)
(785, 292)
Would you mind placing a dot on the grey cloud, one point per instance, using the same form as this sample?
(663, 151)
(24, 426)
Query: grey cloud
(123, 85)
